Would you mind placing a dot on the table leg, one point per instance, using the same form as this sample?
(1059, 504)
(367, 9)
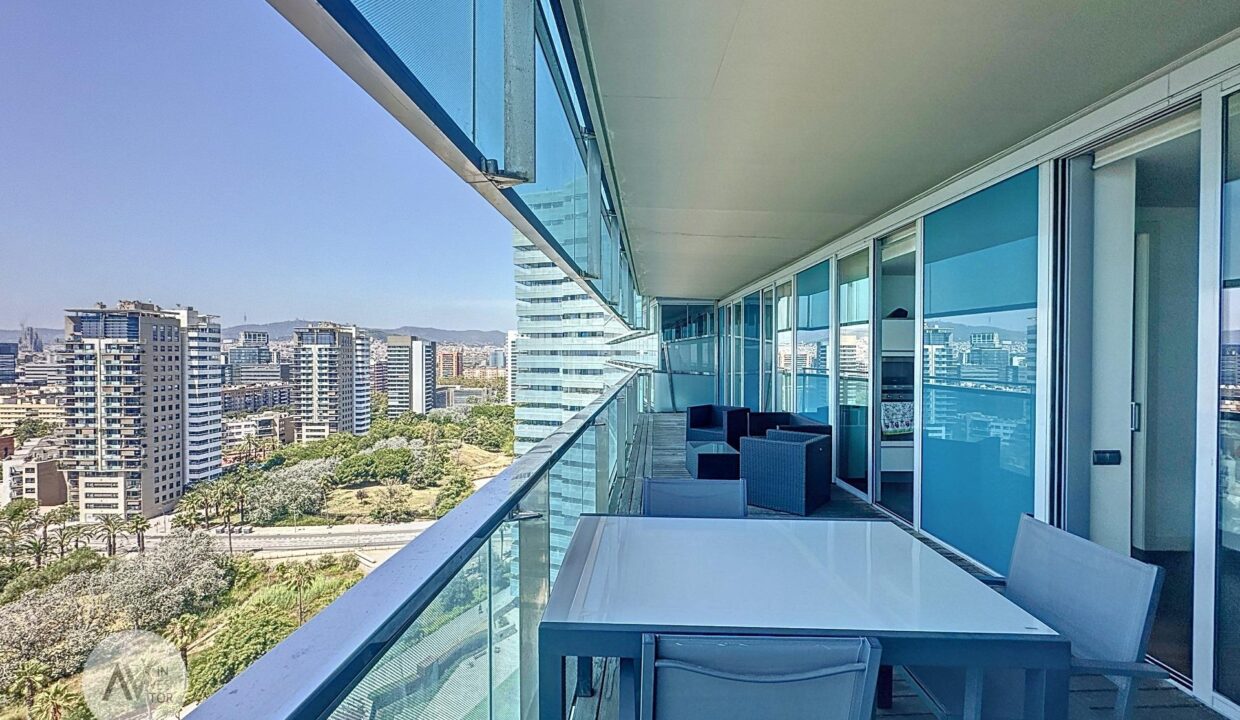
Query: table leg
(628, 689)
(885, 681)
(550, 683)
(973, 682)
(1056, 704)
(585, 676)
(1046, 694)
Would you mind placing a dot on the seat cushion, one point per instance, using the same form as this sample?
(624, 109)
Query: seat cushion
(704, 434)
(1003, 693)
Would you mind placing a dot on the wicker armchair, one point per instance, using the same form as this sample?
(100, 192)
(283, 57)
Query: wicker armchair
(787, 471)
(719, 423)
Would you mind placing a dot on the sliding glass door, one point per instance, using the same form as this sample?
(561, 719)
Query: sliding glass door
(1227, 576)
(979, 340)
(853, 363)
(813, 340)
(768, 347)
(785, 357)
(751, 384)
(895, 292)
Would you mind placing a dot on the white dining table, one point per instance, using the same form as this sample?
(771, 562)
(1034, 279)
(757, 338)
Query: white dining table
(625, 576)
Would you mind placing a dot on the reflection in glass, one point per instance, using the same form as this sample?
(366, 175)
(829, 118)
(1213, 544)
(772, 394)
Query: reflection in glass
(736, 365)
(784, 357)
(768, 346)
(979, 340)
(896, 296)
(852, 447)
(1227, 599)
(721, 323)
(687, 354)
(814, 341)
(558, 196)
(752, 330)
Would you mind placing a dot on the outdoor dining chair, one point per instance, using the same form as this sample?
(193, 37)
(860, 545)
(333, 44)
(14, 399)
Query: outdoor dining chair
(694, 498)
(1101, 601)
(700, 677)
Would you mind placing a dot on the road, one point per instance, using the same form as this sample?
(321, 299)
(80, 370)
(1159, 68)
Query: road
(309, 537)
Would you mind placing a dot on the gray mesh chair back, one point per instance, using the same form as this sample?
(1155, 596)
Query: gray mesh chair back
(1102, 601)
(699, 677)
(694, 498)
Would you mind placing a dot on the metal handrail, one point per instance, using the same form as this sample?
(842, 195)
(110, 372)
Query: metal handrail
(311, 671)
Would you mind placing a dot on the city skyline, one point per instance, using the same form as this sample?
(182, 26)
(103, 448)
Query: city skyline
(313, 227)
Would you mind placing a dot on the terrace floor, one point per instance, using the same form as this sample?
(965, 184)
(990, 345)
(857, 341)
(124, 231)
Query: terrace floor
(658, 451)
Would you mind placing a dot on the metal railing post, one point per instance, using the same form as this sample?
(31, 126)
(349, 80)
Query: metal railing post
(602, 464)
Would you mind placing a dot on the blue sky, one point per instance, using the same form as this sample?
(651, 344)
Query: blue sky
(205, 153)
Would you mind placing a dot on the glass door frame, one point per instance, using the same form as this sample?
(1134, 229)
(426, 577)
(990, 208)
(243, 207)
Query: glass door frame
(876, 361)
(849, 251)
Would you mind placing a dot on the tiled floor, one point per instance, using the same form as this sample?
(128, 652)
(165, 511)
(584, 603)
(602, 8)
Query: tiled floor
(658, 451)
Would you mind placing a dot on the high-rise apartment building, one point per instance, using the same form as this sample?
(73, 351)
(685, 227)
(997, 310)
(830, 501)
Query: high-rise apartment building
(450, 363)
(203, 405)
(332, 394)
(411, 375)
(8, 363)
(559, 355)
(254, 349)
(361, 381)
(140, 394)
(510, 353)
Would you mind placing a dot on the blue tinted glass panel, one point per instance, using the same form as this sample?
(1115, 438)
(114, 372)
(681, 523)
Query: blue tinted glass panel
(752, 325)
(435, 40)
(558, 197)
(814, 341)
(984, 255)
(1227, 613)
(979, 347)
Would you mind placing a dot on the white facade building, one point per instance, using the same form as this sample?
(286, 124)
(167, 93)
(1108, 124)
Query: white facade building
(203, 405)
(411, 375)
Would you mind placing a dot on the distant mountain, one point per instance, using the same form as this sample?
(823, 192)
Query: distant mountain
(284, 331)
(46, 334)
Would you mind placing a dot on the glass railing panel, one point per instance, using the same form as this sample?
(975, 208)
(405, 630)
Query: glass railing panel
(471, 653)
(534, 558)
(439, 669)
(505, 615)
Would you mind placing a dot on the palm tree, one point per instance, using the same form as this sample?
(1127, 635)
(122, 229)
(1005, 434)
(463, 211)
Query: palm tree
(36, 548)
(76, 534)
(182, 632)
(298, 576)
(138, 525)
(191, 504)
(110, 528)
(221, 493)
(61, 537)
(29, 678)
(11, 533)
(56, 703)
(41, 522)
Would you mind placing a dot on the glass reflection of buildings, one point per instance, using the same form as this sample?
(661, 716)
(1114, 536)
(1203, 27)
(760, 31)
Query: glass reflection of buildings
(972, 387)
(1229, 434)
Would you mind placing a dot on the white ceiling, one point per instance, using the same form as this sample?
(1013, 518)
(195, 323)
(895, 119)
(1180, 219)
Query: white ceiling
(744, 134)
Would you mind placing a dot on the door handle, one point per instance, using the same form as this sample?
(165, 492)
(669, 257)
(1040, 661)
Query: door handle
(1134, 417)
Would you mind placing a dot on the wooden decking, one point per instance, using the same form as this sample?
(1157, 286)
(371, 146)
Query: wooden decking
(658, 451)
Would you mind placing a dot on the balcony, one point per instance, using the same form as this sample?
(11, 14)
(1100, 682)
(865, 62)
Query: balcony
(446, 629)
